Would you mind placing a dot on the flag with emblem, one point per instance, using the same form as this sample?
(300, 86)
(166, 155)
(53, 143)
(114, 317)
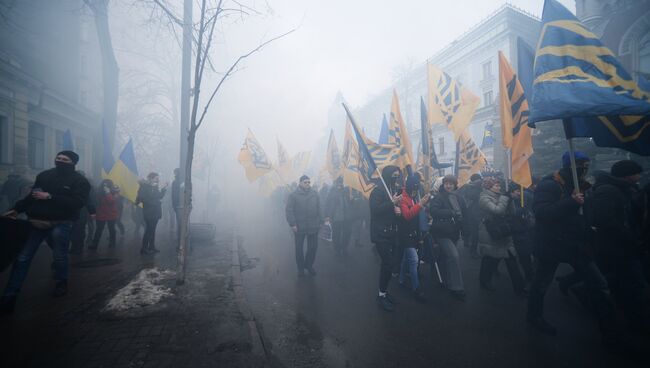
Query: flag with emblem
(333, 157)
(398, 134)
(470, 158)
(578, 79)
(253, 158)
(517, 135)
(353, 177)
(449, 102)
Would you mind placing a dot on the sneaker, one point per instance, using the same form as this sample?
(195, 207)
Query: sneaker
(60, 289)
(311, 271)
(385, 304)
(392, 300)
(7, 304)
(542, 326)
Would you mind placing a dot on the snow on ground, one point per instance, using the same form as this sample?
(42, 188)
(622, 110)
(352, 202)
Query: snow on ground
(144, 290)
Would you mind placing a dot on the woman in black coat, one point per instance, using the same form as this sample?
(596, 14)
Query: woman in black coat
(150, 196)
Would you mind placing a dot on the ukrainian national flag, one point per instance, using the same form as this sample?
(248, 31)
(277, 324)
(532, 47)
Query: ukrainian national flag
(383, 133)
(470, 158)
(107, 156)
(398, 135)
(515, 131)
(253, 158)
(125, 173)
(488, 136)
(449, 103)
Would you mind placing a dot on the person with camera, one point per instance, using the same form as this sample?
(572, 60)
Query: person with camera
(446, 210)
(107, 212)
(495, 236)
(52, 207)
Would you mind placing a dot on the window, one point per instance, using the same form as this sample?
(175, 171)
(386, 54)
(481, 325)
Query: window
(487, 70)
(36, 145)
(441, 145)
(4, 140)
(487, 98)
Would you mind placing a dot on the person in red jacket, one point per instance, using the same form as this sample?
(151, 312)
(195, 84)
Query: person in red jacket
(409, 236)
(107, 212)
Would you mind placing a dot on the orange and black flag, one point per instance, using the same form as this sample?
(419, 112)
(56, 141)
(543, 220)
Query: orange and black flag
(470, 158)
(517, 136)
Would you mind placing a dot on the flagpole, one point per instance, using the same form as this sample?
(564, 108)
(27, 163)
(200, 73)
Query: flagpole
(456, 163)
(509, 168)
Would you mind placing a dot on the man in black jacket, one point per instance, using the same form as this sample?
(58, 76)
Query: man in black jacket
(337, 212)
(560, 237)
(52, 207)
(304, 217)
(617, 216)
(384, 215)
(471, 193)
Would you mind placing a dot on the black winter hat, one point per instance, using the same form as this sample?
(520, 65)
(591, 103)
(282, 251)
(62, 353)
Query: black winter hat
(71, 155)
(303, 178)
(625, 168)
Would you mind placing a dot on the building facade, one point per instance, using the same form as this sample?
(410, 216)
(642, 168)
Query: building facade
(45, 78)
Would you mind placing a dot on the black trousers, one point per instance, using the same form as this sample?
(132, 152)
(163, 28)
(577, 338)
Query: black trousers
(489, 266)
(595, 283)
(149, 237)
(99, 229)
(386, 253)
(340, 236)
(524, 249)
(471, 240)
(306, 262)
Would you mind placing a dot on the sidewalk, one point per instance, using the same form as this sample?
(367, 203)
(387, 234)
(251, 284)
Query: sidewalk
(199, 324)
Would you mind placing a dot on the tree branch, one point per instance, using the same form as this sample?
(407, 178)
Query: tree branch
(230, 70)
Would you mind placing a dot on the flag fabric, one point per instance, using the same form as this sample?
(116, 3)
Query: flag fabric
(488, 136)
(627, 132)
(107, 156)
(353, 177)
(125, 173)
(398, 134)
(68, 145)
(449, 103)
(383, 133)
(283, 156)
(269, 183)
(333, 157)
(517, 135)
(299, 164)
(253, 158)
(427, 136)
(470, 158)
(366, 165)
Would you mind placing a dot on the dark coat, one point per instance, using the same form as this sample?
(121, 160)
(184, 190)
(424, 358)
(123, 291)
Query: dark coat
(303, 210)
(337, 207)
(471, 193)
(150, 197)
(559, 227)
(616, 212)
(69, 193)
(445, 221)
(383, 221)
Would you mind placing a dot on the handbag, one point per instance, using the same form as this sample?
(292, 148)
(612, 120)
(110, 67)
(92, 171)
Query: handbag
(498, 227)
(326, 232)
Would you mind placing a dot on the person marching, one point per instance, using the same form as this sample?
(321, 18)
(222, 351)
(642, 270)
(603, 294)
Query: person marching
(150, 196)
(303, 214)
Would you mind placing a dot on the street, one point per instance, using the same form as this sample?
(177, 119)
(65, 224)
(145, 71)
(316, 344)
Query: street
(332, 320)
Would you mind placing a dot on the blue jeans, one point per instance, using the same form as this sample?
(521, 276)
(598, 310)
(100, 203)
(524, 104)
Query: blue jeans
(58, 238)
(410, 262)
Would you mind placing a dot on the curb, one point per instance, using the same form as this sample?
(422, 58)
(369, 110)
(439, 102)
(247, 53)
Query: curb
(258, 346)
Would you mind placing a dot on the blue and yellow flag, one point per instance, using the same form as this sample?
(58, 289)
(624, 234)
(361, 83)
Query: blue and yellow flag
(125, 173)
(383, 133)
(353, 176)
(107, 156)
(470, 158)
(517, 135)
(449, 102)
(398, 134)
(575, 75)
(333, 157)
(488, 136)
(253, 158)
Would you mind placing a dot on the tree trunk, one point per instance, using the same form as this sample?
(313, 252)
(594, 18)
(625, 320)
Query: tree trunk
(110, 69)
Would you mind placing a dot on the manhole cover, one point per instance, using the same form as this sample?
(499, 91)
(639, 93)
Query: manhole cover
(100, 262)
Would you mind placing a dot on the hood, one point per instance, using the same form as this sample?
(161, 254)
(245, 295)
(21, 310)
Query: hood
(606, 179)
(387, 173)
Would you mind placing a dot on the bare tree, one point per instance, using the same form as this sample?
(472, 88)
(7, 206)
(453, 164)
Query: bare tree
(211, 13)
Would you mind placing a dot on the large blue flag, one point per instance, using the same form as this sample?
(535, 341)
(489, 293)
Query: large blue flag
(577, 76)
(366, 162)
(383, 133)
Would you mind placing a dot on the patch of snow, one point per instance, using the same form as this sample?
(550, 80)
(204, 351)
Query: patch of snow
(144, 290)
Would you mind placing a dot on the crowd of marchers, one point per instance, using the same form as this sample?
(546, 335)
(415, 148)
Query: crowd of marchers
(62, 209)
(601, 229)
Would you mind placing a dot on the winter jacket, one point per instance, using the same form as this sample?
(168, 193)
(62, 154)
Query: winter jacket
(303, 210)
(616, 212)
(408, 226)
(446, 222)
(471, 193)
(494, 205)
(107, 207)
(69, 193)
(337, 207)
(150, 197)
(559, 227)
(523, 220)
(383, 220)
